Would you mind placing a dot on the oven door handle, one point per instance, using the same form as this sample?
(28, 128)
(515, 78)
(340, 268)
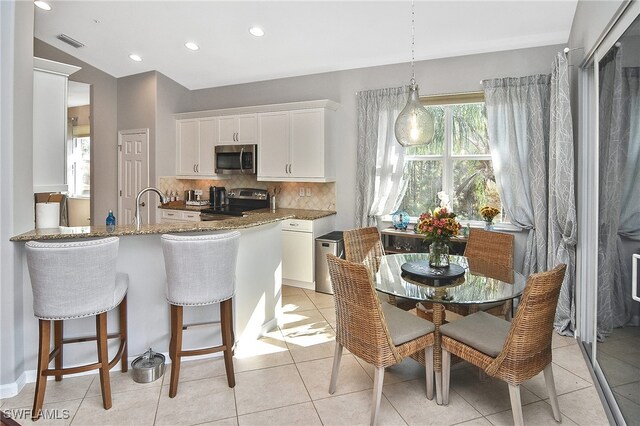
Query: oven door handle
(241, 155)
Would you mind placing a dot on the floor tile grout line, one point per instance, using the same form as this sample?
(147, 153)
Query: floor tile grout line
(155, 415)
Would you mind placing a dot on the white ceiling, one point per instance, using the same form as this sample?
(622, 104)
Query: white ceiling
(78, 94)
(301, 37)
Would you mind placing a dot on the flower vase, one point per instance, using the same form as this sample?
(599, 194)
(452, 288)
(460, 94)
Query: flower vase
(488, 225)
(439, 255)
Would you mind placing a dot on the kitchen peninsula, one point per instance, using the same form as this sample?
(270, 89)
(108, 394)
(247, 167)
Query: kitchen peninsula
(257, 301)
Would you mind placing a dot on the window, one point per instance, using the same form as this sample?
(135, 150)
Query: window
(457, 162)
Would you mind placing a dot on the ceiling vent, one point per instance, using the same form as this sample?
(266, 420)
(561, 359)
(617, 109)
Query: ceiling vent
(70, 41)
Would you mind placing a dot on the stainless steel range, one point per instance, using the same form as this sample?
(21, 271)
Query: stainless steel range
(239, 200)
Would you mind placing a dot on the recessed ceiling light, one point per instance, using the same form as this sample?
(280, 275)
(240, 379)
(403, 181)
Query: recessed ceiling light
(42, 5)
(191, 45)
(256, 31)
(135, 57)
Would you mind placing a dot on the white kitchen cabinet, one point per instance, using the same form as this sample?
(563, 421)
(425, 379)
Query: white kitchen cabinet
(298, 250)
(294, 146)
(274, 149)
(178, 216)
(50, 83)
(196, 141)
(238, 129)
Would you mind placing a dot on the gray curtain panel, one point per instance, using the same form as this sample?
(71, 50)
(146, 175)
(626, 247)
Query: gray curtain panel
(562, 229)
(380, 159)
(531, 141)
(619, 202)
(518, 126)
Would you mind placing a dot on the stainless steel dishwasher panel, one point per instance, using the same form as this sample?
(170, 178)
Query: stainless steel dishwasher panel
(328, 243)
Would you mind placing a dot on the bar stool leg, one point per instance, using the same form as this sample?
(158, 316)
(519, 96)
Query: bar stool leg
(103, 359)
(58, 331)
(176, 337)
(226, 321)
(122, 312)
(43, 363)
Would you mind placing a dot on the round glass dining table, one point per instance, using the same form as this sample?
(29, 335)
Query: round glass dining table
(482, 282)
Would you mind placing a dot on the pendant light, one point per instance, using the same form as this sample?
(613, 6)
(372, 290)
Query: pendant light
(414, 125)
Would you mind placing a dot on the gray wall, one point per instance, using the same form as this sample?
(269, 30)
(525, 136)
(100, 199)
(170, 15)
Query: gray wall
(451, 75)
(16, 175)
(104, 107)
(136, 110)
(171, 98)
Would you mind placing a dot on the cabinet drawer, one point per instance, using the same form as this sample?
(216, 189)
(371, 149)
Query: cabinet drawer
(191, 216)
(297, 225)
(171, 214)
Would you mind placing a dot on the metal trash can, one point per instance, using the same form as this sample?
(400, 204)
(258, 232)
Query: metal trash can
(329, 243)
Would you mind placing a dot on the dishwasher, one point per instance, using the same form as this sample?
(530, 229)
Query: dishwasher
(329, 243)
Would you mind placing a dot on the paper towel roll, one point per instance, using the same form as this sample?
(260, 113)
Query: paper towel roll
(47, 215)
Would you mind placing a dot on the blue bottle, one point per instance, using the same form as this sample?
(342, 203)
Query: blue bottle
(111, 222)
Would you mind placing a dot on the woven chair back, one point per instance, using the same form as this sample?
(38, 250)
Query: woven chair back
(360, 323)
(363, 245)
(494, 247)
(527, 348)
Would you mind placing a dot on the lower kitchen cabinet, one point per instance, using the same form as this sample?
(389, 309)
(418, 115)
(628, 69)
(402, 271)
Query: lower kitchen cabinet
(178, 216)
(298, 250)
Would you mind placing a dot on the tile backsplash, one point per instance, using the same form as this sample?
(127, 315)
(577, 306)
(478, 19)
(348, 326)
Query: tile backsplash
(321, 196)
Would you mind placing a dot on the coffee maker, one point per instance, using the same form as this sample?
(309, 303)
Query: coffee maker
(217, 197)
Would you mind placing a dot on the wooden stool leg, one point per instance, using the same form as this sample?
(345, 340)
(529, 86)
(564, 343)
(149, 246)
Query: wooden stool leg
(43, 362)
(103, 359)
(122, 311)
(176, 337)
(57, 344)
(226, 321)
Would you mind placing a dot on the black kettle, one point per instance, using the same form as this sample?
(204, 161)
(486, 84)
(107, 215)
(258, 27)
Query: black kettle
(217, 196)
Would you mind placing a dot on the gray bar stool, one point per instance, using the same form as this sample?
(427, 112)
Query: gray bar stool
(201, 270)
(76, 280)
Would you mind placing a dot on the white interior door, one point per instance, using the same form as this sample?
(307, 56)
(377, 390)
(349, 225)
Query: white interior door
(133, 174)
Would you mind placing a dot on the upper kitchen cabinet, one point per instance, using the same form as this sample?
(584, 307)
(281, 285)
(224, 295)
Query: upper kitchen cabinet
(50, 86)
(296, 145)
(295, 140)
(196, 141)
(238, 129)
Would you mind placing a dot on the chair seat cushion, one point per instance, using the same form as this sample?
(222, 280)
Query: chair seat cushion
(404, 326)
(481, 331)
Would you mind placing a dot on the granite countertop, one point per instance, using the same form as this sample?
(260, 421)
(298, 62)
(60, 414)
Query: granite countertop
(181, 205)
(301, 214)
(253, 218)
(79, 232)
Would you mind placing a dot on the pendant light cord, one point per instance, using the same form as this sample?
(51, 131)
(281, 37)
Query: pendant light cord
(413, 43)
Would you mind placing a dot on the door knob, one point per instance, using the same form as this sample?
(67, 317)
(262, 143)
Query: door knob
(142, 204)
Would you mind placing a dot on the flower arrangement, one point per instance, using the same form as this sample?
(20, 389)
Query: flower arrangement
(488, 213)
(438, 226)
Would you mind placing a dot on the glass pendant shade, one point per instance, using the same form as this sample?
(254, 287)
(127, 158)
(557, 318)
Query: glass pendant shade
(414, 125)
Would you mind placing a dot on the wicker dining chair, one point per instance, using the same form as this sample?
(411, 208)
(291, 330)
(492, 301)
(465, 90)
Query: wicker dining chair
(513, 352)
(363, 245)
(495, 248)
(378, 333)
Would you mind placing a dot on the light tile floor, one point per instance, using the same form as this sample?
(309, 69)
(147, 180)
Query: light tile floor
(283, 379)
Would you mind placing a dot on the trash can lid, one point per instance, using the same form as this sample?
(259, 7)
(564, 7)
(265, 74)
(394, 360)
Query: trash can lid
(331, 236)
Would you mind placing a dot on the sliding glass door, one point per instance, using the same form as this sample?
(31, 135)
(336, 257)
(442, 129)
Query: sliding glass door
(612, 139)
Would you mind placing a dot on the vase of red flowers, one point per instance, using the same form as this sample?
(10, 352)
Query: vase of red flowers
(438, 227)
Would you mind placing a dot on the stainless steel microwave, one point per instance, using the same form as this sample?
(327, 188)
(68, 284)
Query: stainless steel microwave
(236, 159)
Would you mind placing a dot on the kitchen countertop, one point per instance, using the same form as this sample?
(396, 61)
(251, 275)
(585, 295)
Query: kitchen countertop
(301, 214)
(253, 218)
(63, 232)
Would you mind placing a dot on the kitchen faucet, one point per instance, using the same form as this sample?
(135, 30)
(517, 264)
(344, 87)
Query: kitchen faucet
(137, 220)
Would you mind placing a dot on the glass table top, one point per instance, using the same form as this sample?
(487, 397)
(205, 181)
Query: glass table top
(482, 282)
